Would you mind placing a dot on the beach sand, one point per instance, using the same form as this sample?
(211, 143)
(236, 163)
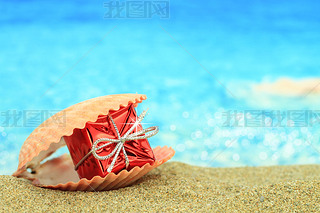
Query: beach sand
(288, 87)
(180, 187)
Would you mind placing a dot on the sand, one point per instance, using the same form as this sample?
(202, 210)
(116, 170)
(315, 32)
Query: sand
(290, 87)
(180, 187)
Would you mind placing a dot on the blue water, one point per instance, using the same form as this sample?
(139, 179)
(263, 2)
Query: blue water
(50, 59)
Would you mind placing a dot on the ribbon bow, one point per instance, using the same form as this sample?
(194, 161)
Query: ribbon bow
(142, 134)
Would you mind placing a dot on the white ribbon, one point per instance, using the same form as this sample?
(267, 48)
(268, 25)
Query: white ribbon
(142, 134)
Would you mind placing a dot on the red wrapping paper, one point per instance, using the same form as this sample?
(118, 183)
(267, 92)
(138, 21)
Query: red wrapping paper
(80, 143)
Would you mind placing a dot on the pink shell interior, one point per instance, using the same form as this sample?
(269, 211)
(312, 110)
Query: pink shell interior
(66, 178)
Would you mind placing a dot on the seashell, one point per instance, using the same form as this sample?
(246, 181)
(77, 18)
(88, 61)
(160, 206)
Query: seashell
(59, 173)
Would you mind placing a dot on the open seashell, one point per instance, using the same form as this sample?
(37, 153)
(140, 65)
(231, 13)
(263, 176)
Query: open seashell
(59, 173)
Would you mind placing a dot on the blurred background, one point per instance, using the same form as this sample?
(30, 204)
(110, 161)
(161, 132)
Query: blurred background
(230, 83)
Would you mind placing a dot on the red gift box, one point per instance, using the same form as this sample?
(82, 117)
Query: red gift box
(80, 144)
